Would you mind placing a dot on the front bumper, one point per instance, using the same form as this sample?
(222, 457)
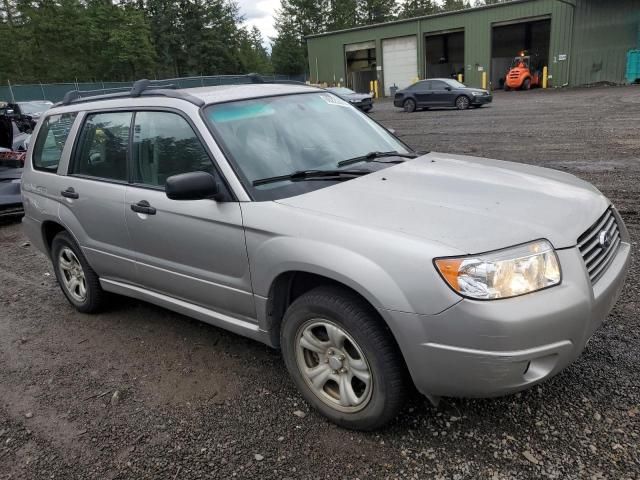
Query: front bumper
(481, 99)
(491, 348)
(365, 105)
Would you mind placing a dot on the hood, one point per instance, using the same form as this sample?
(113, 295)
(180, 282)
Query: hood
(471, 204)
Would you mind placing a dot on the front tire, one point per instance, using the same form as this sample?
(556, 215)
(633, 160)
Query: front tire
(409, 105)
(462, 102)
(343, 359)
(76, 278)
(526, 85)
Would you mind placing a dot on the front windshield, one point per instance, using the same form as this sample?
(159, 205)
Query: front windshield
(273, 136)
(456, 84)
(341, 90)
(29, 108)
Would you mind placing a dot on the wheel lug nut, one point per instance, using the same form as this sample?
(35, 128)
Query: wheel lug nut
(330, 352)
(343, 370)
(335, 372)
(341, 358)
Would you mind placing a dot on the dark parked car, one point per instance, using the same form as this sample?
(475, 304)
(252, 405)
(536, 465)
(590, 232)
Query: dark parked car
(10, 199)
(363, 101)
(440, 92)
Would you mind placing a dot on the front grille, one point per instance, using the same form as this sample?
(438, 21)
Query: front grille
(599, 244)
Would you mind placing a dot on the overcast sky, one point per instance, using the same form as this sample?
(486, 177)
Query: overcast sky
(260, 13)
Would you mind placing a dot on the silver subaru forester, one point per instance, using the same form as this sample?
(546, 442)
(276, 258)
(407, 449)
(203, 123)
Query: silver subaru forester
(284, 214)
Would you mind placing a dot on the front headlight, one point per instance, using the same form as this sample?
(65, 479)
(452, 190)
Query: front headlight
(503, 273)
(476, 94)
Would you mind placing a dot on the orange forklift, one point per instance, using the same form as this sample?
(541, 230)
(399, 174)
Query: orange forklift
(524, 73)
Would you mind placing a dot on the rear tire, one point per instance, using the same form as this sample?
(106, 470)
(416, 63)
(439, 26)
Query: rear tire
(343, 359)
(526, 85)
(462, 102)
(76, 278)
(409, 105)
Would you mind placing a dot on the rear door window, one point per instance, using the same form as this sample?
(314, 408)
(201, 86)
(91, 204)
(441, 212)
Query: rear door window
(51, 140)
(102, 149)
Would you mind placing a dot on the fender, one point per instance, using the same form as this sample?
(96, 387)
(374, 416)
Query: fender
(284, 254)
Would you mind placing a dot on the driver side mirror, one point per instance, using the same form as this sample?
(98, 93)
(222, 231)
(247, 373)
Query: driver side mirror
(192, 186)
(448, 89)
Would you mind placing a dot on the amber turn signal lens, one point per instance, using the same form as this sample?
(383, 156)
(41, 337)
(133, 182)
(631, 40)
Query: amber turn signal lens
(449, 269)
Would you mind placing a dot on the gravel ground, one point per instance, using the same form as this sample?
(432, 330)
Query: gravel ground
(140, 392)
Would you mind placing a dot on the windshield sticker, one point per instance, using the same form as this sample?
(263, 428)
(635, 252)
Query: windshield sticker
(333, 100)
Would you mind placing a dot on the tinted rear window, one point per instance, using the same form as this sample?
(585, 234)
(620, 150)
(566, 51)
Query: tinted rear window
(51, 140)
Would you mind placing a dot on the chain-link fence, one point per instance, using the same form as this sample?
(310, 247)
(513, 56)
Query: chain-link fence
(55, 91)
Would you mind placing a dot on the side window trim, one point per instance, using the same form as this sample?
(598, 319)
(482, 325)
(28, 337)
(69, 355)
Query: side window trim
(68, 156)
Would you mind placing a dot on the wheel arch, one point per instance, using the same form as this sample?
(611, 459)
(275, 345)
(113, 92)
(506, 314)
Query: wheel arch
(289, 285)
(292, 284)
(50, 229)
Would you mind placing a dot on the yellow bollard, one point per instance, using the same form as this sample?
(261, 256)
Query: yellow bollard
(484, 80)
(370, 86)
(545, 76)
(375, 88)
(460, 77)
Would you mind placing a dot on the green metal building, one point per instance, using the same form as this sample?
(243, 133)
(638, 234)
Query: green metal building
(580, 41)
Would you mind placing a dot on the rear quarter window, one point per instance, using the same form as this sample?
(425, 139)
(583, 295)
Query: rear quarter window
(51, 140)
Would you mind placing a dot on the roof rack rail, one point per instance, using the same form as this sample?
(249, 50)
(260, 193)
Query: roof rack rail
(146, 87)
(139, 88)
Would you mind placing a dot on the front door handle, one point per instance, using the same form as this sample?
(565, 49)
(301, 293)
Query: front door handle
(143, 207)
(70, 193)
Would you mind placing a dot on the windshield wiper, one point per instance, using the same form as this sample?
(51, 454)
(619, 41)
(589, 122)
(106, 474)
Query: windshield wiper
(312, 175)
(371, 156)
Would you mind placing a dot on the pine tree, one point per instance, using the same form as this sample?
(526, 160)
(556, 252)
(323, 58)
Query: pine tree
(288, 54)
(453, 5)
(342, 14)
(253, 55)
(417, 8)
(375, 11)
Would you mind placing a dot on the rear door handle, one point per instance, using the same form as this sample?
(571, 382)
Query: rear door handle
(143, 207)
(70, 193)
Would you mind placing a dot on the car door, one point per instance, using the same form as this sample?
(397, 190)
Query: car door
(192, 250)
(93, 194)
(422, 92)
(441, 93)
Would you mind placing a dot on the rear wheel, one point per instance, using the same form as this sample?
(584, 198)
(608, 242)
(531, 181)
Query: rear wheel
(526, 85)
(462, 102)
(76, 278)
(409, 105)
(343, 359)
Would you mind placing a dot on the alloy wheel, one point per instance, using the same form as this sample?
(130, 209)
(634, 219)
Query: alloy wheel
(72, 275)
(462, 103)
(333, 366)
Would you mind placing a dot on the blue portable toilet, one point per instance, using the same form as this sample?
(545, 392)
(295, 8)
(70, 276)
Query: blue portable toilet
(633, 66)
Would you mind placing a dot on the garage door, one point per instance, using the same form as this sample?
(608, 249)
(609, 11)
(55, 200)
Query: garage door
(399, 62)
